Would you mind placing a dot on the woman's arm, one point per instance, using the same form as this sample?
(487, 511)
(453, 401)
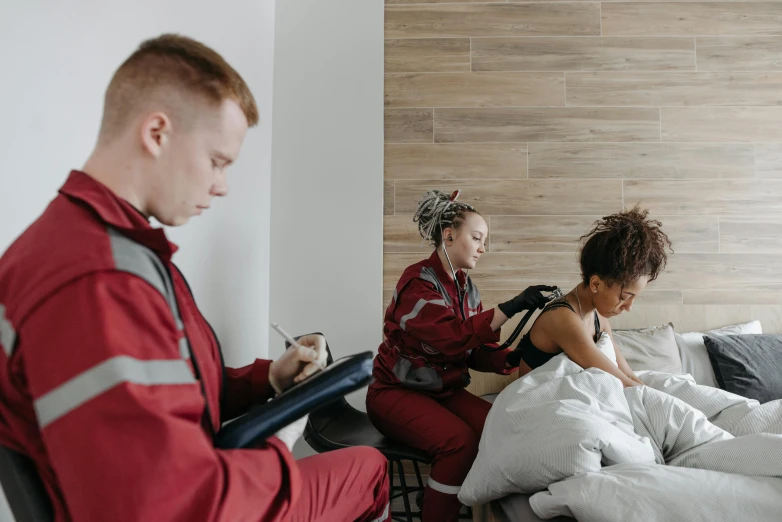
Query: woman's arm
(621, 362)
(567, 331)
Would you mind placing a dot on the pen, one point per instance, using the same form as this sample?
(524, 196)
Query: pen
(286, 336)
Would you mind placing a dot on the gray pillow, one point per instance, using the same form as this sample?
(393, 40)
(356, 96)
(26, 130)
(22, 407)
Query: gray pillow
(747, 365)
(652, 348)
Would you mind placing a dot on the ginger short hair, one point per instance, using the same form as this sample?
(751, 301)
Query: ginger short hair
(176, 71)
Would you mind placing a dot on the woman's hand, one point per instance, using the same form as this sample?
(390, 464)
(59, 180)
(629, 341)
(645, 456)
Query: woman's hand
(636, 379)
(530, 299)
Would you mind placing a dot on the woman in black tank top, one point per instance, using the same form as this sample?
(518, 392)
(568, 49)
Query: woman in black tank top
(622, 254)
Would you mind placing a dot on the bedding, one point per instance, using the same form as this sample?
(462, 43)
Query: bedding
(561, 421)
(669, 494)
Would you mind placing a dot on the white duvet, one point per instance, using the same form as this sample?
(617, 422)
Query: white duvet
(561, 421)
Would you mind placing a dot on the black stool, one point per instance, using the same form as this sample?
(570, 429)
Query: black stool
(339, 425)
(26, 494)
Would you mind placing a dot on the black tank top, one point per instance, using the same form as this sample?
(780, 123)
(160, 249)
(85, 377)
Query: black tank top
(535, 357)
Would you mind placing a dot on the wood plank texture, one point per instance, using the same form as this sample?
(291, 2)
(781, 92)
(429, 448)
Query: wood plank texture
(427, 55)
(500, 89)
(739, 53)
(643, 160)
(520, 197)
(550, 114)
(674, 88)
(737, 124)
(456, 161)
(547, 124)
(695, 18)
(408, 126)
(496, 19)
(733, 197)
(583, 54)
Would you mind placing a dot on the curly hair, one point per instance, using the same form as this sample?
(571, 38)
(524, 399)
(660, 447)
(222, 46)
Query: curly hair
(623, 247)
(436, 211)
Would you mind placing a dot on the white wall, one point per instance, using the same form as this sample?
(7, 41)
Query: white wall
(327, 173)
(58, 58)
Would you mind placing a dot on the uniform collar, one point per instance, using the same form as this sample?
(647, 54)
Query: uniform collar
(442, 275)
(116, 212)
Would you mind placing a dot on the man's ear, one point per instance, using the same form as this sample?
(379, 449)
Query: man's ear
(155, 133)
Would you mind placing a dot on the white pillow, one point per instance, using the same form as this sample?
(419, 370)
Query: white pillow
(695, 357)
(652, 348)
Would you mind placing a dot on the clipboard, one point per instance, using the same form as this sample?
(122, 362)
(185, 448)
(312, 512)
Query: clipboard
(343, 376)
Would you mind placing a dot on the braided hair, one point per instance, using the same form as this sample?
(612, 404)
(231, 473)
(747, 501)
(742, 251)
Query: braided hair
(437, 211)
(623, 247)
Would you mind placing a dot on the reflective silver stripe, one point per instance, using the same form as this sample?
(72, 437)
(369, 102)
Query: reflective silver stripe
(417, 309)
(393, 298)
(428, 274)
(142, 262)
(7, 332)
(382, 517)
(443, 488)
(103, 377)
(184, 347)
(473, 295)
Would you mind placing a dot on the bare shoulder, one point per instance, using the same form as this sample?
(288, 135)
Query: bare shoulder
(553, 326)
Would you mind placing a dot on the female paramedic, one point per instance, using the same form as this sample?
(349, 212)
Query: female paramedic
(435, 329)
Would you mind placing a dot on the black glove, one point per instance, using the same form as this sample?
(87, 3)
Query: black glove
(529, 299)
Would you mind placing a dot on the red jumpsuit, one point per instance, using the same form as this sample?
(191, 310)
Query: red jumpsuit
(421, 370)
(112, 382)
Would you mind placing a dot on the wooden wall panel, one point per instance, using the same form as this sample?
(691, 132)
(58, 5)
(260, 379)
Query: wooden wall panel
(759, 234)
(547, 121)
(583, 54)
(739, 53)
(733, 197)
(645, 160)
(388, 198)
(456, 161)
(513, 124)
(427, 55)
(693, 18)
(562, 233)
(674, 88)
(501, 89)
(768, 160)
(520, 197)
(742, 124)
(495, 19)
(474, 89)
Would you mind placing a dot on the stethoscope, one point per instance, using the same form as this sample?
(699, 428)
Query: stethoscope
(556, 294)
(453, 272)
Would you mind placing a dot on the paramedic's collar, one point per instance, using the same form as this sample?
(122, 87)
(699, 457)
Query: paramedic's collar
(442, 275)
(116, 212)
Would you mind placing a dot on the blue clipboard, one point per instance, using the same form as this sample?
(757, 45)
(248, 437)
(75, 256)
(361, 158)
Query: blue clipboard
(339, 378)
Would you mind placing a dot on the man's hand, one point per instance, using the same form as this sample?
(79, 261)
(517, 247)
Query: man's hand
(296, 364)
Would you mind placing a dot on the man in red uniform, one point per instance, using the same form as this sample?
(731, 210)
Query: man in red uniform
(111, 380)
